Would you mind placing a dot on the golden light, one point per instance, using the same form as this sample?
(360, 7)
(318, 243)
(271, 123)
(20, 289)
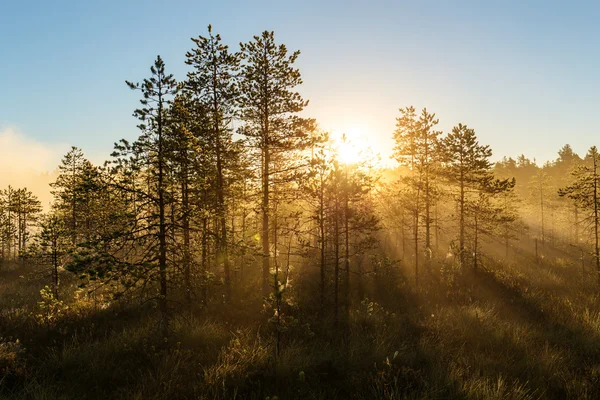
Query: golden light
(351, 145)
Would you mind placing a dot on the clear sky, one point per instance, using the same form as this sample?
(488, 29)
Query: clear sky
(524, 74)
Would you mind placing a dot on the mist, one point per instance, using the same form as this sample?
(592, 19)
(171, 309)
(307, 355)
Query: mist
(27, 162)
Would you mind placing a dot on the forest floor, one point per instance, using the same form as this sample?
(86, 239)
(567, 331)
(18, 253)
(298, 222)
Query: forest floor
(523, 329)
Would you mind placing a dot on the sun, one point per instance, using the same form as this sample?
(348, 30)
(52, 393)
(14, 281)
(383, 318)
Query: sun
(351, 146)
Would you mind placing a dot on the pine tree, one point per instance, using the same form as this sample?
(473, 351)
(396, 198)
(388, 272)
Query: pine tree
(268, 104)
(467, 168)
(213, 84)
(488, 213)
(66, 193)
(540, 187)
(9, 227)
(360, 221)
(584, 191)
(52, 241)
(427, 161)
(406, 150)
(417, 148)
(26, 207)
(157, 92)
(186, 118)
(314, 187)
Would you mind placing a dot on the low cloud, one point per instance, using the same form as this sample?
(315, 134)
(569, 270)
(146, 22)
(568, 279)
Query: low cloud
(27, 162)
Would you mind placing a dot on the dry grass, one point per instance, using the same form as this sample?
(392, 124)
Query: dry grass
(514, 330)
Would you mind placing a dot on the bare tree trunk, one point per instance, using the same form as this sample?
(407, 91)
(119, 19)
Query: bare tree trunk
(322, 242)
(462, 220)
(222, 253)
(427, 220)
(55, 266)
(596, 221)
(336, 234)
(506, 230)
(403, 235)
(204, 260)
(347, 243)
(416, 239)
(576, 224)
(243, 260)
(542, 212)
(265, 221)
(476, 244)
(186, 241)
(162, 235)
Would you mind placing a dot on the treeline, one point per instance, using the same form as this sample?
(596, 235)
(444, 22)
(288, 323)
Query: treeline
(19, 212)
(450, 184)
(228, 193)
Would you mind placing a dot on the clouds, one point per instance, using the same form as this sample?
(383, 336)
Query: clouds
(27, 162)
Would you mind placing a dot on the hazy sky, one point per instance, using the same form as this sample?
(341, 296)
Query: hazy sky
(522, 73)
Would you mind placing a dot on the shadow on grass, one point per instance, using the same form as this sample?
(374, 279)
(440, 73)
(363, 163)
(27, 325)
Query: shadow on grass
(581, 349)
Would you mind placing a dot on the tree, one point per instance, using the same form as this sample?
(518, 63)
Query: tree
(66, 191)
(360, 221)
(427, 161)
(416, 148)
(560, 173)
(186, 118)
(212, 83)
(567, 156)
(509, 220)
(406, 137)
(157, 92)
(489, 214)
(53, 244)
(27, 208)
(268, 104)
(468, 169)
(584, 192)
(539, 185)
(315, 187)
(9, 226)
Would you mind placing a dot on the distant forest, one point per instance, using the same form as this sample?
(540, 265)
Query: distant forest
(237, 250)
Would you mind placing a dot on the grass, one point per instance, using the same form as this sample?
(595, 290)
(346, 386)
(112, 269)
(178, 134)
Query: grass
(512, 330)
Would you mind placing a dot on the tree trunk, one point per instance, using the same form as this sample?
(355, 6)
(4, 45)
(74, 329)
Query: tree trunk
(542, 212)
(427, 219)
(162, 235)
(476, 244)
(336, 234)
(322, 243)
(204, 259)
(596, 221)
(347, 244)
(186, 241)
(576, 225)
(403, 227)
(265, 222)
(55, 266)
(416, 239)
(461, 246)
(222, 247)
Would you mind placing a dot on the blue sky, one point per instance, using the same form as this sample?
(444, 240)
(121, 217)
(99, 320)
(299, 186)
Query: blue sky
(524, 74)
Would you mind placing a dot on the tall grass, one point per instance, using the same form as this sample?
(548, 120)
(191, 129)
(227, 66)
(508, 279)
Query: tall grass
(513, 330)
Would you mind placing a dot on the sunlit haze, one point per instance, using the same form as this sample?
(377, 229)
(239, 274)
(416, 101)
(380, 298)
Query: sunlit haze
(270, 200)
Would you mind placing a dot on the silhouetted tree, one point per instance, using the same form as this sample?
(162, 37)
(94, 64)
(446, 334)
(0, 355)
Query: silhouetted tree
(268, 104)
(212, 83)
(157, 92)
(584, 191)
(467, 168)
